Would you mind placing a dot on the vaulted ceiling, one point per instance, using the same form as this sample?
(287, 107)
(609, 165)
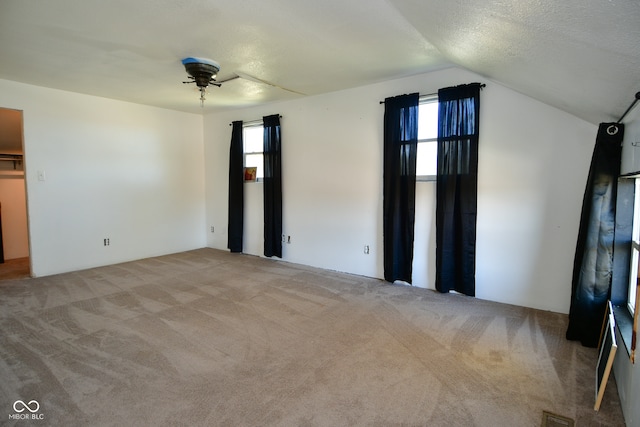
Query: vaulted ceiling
(582, 56)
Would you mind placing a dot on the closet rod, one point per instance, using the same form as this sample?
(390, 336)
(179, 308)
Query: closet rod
(630, 107)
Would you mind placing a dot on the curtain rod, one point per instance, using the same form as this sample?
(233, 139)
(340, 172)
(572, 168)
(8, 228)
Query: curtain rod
(429, 95)
(630, 107)
(251, 122)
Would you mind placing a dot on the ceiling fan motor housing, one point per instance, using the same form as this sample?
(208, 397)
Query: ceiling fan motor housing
(202, 70)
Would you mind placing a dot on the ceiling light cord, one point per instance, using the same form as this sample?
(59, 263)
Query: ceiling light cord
(202, 98)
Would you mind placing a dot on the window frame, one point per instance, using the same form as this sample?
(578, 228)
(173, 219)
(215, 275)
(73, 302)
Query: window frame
(634, 272)
(628, 224)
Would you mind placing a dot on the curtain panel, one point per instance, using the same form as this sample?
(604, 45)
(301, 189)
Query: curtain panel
(236, 189)
(457, 188)
(399, 185)
(593, 261)
(272, 186)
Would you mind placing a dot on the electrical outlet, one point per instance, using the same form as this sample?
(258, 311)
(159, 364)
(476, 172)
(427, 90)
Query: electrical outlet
(284, 238)
(288, 239)
(366, 249)
(106, 241)
(212, 229)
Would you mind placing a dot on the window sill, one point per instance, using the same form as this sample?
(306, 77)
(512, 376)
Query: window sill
(624, 322)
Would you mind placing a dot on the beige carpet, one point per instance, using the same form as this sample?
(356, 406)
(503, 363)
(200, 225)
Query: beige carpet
(210, 338)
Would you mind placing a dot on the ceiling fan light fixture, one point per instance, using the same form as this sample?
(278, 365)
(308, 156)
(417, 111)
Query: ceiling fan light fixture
(202, 72)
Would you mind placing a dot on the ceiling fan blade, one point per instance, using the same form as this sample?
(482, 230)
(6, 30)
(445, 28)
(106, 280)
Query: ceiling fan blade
(258, 80)
(228, 79)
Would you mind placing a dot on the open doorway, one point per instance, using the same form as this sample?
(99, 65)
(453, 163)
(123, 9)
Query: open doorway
(14, 236)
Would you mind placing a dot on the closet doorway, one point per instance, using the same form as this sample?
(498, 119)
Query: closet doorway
(14, 236)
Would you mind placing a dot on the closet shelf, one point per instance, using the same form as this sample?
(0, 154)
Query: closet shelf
(15, 158)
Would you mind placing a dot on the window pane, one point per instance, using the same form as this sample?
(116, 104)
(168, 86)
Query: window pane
(633, 280)
(635, 237)
(636, 213)
(427, 158)
(428, 120)
(254, 160)
(253, 137)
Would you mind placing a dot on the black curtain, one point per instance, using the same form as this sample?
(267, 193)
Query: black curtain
(593, 262)
(399, 185)
(457, 188)
(272, 187)
(236, 189)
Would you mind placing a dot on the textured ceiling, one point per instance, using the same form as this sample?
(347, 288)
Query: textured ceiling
(580, 56)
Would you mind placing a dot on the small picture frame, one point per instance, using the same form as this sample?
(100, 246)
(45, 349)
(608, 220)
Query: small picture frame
(250, 174)
(608, 347)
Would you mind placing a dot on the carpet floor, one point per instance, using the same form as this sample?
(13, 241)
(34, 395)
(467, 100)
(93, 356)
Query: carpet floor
(206, 337)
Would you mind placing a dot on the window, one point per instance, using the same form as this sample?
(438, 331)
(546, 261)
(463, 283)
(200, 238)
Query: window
(635, 250)
(253, 135)
(427, 157)
(627, 317)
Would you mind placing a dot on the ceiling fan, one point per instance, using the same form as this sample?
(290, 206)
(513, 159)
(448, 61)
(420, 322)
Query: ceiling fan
(203, 73)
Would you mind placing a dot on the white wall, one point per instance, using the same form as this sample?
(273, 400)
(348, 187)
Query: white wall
(14, 217)
(127, 172)
(533, 167)
(534, 161)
